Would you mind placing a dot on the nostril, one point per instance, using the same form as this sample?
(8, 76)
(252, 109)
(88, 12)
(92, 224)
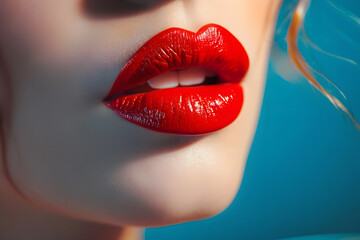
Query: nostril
(117, 8)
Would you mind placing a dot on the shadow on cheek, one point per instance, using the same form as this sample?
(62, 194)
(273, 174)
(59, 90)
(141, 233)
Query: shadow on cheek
(118, 8)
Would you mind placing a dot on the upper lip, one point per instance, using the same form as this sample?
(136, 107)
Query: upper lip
(212, 47)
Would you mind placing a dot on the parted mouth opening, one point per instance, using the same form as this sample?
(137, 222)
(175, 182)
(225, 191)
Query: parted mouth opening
(192, 77)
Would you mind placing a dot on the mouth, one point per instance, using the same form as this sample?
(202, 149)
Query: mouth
(181, 82)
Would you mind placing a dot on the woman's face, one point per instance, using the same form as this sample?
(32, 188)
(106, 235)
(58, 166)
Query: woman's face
(66, 151)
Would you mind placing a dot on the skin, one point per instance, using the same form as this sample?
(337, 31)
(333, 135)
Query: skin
(74, 169)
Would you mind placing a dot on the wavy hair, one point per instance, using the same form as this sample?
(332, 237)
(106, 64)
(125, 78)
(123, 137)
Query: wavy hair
(296, 24)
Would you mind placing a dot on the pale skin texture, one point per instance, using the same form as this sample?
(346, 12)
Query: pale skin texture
(75, 170)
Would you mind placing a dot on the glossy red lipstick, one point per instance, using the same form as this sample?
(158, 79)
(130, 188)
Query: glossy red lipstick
(187, 110)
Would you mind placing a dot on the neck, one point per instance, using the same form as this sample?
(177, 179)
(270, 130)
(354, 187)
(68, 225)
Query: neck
(19, 220)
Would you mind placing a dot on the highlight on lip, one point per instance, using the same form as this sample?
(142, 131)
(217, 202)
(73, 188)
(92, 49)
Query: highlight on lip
(181, 82)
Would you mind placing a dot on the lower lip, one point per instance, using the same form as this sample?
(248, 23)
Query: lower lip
(182, 110)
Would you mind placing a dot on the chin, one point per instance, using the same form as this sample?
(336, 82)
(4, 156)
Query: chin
(177, 187)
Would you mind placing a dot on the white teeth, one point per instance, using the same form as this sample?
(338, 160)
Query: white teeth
(166, 80)
(189, 77)
(194, 76)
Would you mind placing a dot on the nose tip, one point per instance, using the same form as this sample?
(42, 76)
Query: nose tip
(118, 8)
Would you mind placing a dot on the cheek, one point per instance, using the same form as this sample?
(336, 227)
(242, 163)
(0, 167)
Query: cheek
(40, 27)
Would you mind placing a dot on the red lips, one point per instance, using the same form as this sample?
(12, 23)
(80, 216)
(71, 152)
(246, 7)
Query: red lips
(183, 110)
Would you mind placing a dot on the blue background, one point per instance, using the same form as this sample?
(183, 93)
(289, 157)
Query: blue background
(303, 172)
